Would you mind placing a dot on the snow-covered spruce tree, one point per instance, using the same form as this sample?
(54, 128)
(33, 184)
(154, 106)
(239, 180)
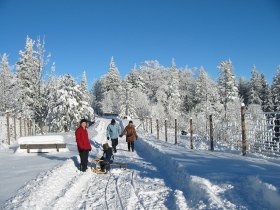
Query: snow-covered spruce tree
(227, 83)
(255, 87)
(265, 95)
(66, 111)
(40, 101)
(113, 95)
(207, 102)
(173, 104)
(26, 67)
(98, 96)
(128, 104)
(244, 90)
(7, 86)
(228, 90)
(275, 89)
(136, 80)
(136, 103)
(187, 88)
(51, 98)
(85, 100)
(29, 78)
(152, 74)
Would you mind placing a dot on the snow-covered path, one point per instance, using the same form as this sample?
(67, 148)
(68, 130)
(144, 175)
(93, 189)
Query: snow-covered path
(159, 176)
(64, 187)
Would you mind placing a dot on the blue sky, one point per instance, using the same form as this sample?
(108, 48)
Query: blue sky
(83, 35)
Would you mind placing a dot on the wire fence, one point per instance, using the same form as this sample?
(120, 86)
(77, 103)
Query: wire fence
(13, 126)
(247, 132)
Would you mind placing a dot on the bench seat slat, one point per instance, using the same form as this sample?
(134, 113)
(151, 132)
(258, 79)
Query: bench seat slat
(42, 146)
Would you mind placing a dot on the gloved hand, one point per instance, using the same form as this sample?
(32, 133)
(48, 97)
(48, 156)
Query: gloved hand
(108, 138)
(120, 136)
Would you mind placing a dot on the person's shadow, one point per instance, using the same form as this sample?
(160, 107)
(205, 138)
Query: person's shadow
(76, 161)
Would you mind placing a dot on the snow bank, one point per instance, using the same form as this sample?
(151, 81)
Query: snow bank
(46, 139)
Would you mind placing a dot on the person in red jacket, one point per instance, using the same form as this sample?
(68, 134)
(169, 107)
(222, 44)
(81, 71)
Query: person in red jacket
(83, 144)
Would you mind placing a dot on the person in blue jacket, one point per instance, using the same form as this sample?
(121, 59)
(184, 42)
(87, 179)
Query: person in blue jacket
(113, 132)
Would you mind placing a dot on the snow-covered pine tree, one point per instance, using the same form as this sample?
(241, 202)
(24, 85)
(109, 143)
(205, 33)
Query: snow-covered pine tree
(52, 98)
(40, 101)
(127, 107)
(85, 100)
(152, 74)
(275, 89)
(66, 111)
(187, 88)
(227, 83)
(173, 103)
(29, 78)
(265, 95)
(206, 94)
(113, 90)
(136, 80)
(255, 87)
(7, 88)
(98, 95)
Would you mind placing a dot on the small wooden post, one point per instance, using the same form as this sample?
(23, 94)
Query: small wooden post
(34, 128)
(8, 128)
(143, 124)
(165, 127)
(15, 127)
(211, 133)
(191, 132)
(30, 127)
(20, 127)
(147, 125)
(157, 129)
(175, 131)
(243, 127)
(24, 125)
(151, 126)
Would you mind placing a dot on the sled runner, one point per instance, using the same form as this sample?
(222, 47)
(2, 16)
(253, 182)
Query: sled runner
(96, 167)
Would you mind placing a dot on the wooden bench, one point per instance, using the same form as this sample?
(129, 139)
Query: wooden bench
(42, 146)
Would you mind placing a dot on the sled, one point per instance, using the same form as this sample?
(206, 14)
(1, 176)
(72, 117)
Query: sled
(96, 168)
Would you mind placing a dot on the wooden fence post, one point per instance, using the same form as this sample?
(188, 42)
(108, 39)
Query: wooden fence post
(243, 127)
(20, 127)
(191, 132)
(24, 125)
(30, 127)
(165, 127)
(211, 133)
(175, 131)
(157, 129)
(8, 127)
(151, 126)
(34, 128)
(15, 127)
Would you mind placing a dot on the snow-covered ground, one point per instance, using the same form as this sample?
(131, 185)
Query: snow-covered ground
(159, 176)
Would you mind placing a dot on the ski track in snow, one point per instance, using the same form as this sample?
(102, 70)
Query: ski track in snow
(65, 187)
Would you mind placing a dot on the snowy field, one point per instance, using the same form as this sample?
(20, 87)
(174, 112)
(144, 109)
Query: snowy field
(159, 176)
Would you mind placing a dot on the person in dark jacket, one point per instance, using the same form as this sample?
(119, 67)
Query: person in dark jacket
(83, 144)
(131, 135)
(107, 158)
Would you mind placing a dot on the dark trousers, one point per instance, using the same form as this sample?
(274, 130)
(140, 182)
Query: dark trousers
(115, 142)
(130, 145)
(84, 159)
(105, 165)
